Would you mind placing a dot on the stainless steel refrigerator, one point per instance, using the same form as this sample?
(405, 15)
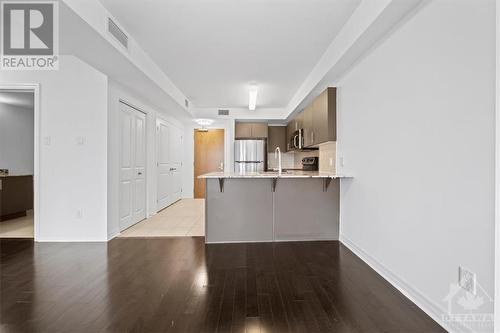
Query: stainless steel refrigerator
(249, 155)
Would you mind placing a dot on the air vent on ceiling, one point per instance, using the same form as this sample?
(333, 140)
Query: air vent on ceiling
(118, 33)
(223, 112)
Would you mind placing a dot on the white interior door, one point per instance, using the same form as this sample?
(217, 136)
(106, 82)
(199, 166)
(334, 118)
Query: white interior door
(169, 142)
(132, 166)
(176, 162)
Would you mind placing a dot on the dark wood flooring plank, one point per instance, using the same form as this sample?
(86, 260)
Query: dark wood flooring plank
(183, 285)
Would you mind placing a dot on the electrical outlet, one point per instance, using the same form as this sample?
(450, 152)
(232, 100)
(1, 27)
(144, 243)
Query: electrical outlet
(467, 280)
(341, 161)
(80, 141)
(79, 214)
(46, 140)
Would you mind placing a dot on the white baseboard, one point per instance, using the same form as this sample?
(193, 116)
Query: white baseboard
(425, 304)
(71, 240)
(113, 235)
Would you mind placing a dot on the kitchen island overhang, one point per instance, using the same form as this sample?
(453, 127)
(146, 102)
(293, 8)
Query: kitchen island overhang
(268, 206)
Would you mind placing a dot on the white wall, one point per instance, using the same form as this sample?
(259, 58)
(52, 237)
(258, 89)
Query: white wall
(416, 129)
(117, 92)
(188, 166)
(16, 139)
(72, 177)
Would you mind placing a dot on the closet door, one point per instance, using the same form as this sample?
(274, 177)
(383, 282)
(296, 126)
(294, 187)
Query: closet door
(132, 166)
(169, 162)
(176, 162)
(164, 179)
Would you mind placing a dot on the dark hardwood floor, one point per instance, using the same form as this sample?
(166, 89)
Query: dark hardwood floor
(183, 285)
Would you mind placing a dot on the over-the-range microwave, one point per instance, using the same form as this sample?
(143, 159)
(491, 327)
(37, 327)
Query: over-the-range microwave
(297, 139)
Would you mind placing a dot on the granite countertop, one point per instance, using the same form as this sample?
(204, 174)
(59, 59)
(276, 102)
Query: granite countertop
(274, 174)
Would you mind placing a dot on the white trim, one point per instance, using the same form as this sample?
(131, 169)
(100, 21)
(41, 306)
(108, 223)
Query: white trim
(114, 234)
(48, 240)
(35, 87)
(414, 295)
(497, 174)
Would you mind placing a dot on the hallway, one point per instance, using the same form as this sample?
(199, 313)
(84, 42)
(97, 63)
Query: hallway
(184, 218)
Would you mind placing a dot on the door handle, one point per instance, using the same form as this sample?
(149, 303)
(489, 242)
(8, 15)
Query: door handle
(173, 169)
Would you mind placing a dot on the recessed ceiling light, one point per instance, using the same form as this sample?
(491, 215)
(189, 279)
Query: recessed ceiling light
(252, 97)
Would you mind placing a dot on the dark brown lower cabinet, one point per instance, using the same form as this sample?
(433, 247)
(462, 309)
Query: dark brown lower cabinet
(16, 196)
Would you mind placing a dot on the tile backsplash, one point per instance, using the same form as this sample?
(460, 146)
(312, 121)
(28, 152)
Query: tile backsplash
(287, 161)
(327, 156)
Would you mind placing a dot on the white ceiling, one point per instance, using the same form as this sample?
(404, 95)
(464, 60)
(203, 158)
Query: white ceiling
(24, 99)
(213, 50)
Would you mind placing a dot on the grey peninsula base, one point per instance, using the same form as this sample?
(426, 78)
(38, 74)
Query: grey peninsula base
(248, 210)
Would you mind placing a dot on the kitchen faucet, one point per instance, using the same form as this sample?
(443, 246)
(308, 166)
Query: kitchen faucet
(277, 154)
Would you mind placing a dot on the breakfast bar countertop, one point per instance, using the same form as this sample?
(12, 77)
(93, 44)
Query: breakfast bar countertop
(274, 174)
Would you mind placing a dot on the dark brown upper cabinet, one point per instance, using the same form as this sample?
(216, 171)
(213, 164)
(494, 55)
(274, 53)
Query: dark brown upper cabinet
(318, 120)
(250, 130)
(324, 120)
(277, 138)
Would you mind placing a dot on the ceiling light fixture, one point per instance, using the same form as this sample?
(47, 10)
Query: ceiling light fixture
(204, 122)
(252, 97)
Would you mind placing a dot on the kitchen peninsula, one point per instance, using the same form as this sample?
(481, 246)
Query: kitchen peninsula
(269, 206)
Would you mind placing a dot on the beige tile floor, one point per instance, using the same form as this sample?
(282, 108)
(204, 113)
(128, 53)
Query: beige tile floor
(184, 218)
(21, 227)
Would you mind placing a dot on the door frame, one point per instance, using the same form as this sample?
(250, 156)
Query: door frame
(146, 157)
(226, 162)
(497, 173)
(35, 87)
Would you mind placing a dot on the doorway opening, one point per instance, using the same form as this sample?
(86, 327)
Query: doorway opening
(17, 163)
(208, 156)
